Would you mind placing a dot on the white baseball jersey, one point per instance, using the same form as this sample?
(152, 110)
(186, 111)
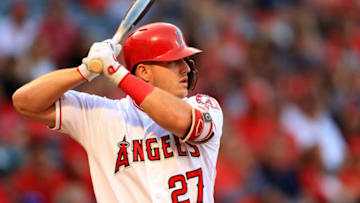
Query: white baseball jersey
(132, 158)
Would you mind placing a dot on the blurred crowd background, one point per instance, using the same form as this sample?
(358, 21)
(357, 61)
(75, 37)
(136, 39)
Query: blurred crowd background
(286, 73)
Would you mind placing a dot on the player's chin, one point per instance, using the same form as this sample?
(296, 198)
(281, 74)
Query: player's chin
(182, 93)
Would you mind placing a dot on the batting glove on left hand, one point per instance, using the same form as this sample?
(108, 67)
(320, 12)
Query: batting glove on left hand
(84, 71)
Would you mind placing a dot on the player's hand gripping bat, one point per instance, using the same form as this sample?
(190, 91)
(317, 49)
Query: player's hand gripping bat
(132, 17)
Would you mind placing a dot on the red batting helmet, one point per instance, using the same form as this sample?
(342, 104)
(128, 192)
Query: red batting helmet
(158, 42)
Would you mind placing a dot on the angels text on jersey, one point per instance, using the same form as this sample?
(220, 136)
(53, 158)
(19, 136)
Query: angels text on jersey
(152, 149)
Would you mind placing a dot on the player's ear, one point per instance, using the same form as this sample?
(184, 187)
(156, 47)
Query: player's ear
(143, 71)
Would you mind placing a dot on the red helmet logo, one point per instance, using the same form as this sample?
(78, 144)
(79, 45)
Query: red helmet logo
(179, 38)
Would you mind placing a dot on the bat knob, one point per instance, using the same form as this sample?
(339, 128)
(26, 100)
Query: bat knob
(96, 66)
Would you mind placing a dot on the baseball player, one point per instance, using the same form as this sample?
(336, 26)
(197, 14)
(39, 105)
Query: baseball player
(155, 145)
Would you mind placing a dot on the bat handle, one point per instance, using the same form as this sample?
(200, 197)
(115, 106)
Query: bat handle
(96, 66)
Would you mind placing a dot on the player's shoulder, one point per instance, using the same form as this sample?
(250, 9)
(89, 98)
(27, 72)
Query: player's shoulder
(87, 98)
(205, 101)
(84, 95)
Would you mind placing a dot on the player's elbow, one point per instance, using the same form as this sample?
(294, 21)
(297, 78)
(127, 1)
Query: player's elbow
(21, 102)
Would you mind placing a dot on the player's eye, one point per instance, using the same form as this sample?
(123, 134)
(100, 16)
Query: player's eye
(179, 62)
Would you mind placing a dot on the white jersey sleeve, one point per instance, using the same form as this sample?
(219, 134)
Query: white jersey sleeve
(78, 114)
(207, 119)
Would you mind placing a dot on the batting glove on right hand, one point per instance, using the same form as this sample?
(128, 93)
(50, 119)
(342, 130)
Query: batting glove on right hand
(106, 51)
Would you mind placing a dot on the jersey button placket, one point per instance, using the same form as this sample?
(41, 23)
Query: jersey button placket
(155, 171)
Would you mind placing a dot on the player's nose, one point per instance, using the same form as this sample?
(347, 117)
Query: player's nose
(184, 67)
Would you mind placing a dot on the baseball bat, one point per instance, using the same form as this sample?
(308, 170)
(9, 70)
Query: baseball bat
(137, 10)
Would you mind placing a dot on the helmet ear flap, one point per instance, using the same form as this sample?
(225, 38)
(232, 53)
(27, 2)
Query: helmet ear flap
(192, 75)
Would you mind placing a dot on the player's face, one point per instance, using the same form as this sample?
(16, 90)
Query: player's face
(171, 76)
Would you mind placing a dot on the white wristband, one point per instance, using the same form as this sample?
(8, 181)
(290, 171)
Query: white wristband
(85, 73)
(116, 74)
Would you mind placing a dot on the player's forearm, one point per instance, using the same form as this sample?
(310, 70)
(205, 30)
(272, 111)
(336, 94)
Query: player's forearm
(168, 111)
(41, 93)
